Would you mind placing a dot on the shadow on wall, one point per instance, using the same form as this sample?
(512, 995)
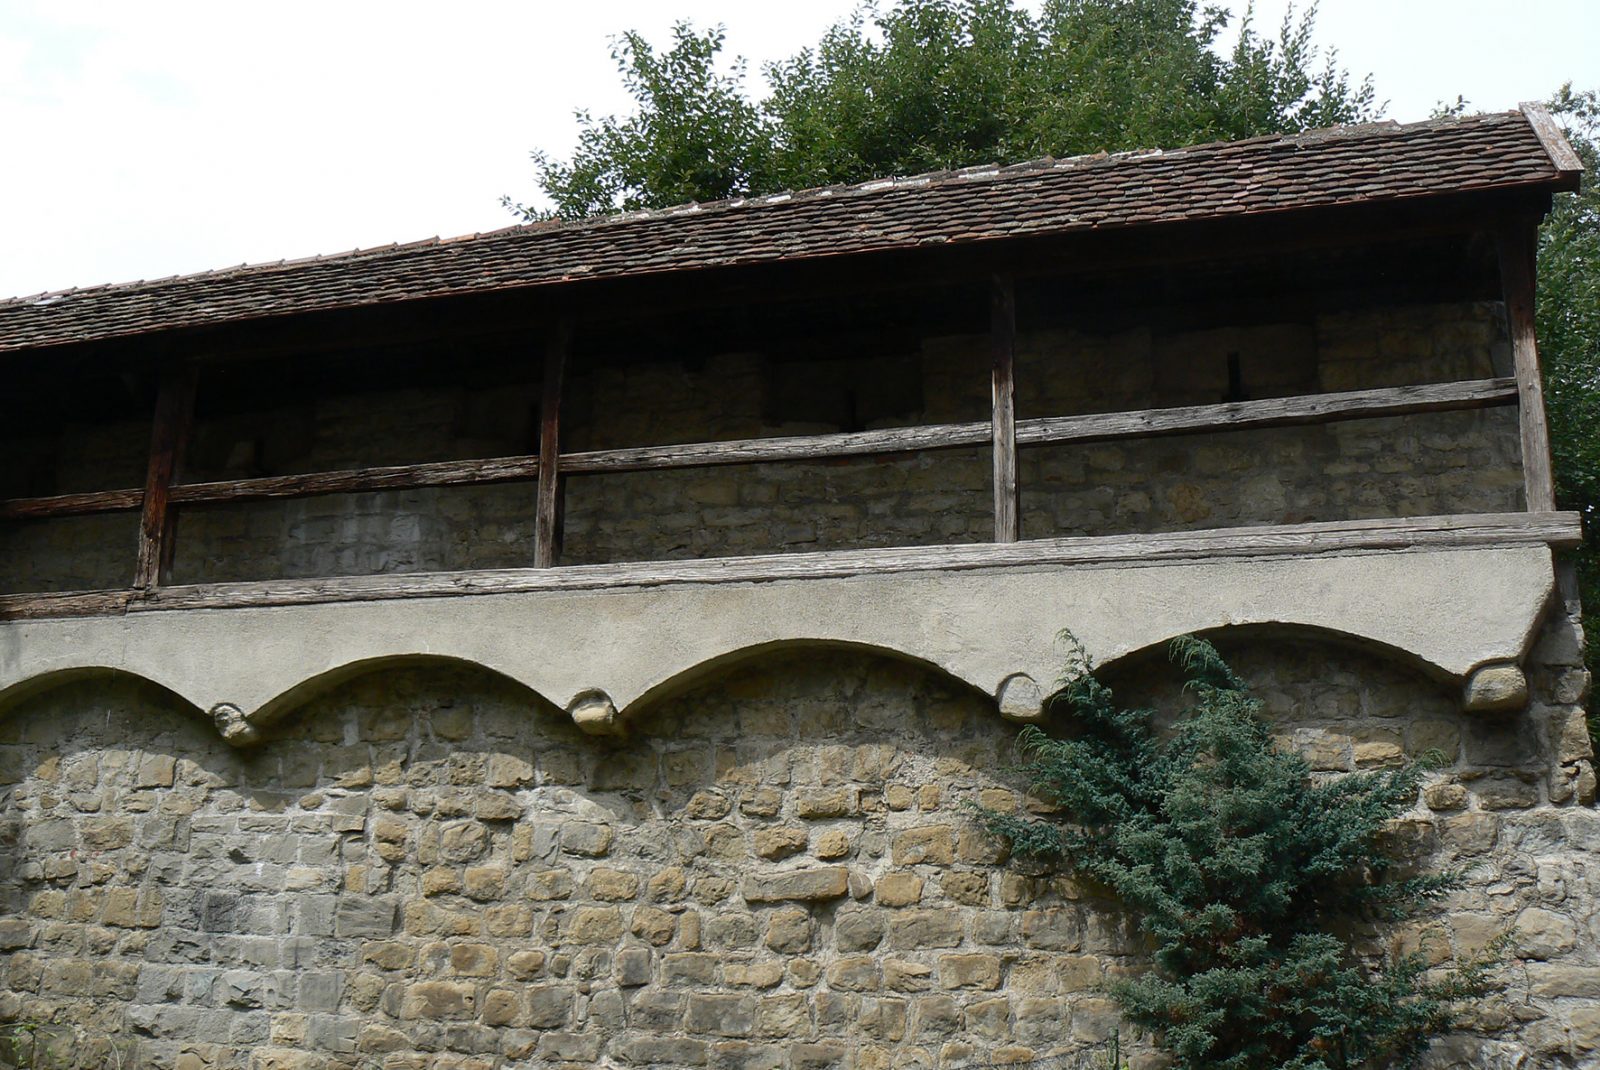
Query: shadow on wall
(433, 864)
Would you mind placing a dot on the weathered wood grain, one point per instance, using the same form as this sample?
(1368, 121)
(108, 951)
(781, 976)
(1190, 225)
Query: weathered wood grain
(1003, 383)
(169, 441)
(1268, 412)
(1550, 136)
(547, 520)
(1515, 246)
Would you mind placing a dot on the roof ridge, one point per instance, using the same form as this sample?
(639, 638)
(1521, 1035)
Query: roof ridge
(971, 173)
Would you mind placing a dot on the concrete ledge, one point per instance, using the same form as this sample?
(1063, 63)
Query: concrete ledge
(614, 650)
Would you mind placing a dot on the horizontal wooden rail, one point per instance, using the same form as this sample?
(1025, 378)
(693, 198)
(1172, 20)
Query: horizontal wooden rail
(355, 480)
(1229, 416)
(130, 499)
(788, 448)
(1268, 412)
(1560, 529)
(396, 477)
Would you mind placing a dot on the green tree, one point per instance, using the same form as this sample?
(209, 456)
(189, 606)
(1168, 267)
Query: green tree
(927, 84)
(694, 137)
(1244, 873)
(1569, 342)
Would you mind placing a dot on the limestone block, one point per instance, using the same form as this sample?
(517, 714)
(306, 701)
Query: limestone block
(1496, 688)
(789, 931)
(930, 844)
(595, 714)
(232, 725)
(1543, 934)
(440, 1000)
(831, 882)
(1021, 699)
(780, 842)
(920, 929)
(899, 889)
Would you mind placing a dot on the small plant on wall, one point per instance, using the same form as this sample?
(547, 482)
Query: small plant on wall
(1244, 874)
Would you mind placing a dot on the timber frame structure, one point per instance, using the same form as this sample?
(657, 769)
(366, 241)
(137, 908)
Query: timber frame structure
(1489, 177)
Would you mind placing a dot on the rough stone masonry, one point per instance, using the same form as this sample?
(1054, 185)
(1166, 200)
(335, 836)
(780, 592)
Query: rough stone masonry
(429, 869)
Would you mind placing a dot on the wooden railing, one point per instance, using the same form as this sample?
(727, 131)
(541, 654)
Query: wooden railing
(162, 495)
(1094, 427)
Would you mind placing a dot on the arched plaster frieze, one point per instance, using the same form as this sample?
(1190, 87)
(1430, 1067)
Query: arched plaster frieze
(695, 675)
(601, 652)
(18, 694)
(1281, 631)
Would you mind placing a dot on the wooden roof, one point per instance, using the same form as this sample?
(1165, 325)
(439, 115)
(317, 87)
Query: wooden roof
(1380, 162)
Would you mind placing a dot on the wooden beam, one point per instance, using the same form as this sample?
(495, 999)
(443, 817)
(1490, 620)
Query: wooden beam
(396, 477)
(1268, 412)
(1515, 244)
(1003, 345)
(1551, 137)
(65, 604)
(98, 501)
(168, 442)
(547, 520)
(1335, 537)
(782, 448)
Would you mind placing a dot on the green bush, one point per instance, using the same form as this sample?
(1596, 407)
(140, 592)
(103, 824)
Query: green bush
(1246, 875)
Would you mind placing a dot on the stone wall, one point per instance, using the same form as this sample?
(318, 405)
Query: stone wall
(429, 869)
(1440, 463)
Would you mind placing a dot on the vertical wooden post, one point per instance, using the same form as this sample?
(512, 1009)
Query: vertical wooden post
(1516, 244)
(1003, 335)
(547, 523)
(169, 440)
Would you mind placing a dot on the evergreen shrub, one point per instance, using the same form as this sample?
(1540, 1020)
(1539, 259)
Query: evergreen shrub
(1247, 876)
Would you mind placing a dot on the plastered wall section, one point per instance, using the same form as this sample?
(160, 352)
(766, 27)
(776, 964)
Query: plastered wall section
(432, 870)
(1460, 462)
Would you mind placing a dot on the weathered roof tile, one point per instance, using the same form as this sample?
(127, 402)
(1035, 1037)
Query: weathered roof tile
(1379, 161)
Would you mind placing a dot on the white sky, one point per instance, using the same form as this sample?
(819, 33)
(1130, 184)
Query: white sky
(144, 138)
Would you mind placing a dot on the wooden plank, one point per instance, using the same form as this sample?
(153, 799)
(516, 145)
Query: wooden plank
(1550, 135)
(547, 521)
(395, 477)
(99, 501)
(1515, 245)
(67, 604)
(1404, 534)
(1268, 412)
(1003, 345)
(168, 442)
(782, 448)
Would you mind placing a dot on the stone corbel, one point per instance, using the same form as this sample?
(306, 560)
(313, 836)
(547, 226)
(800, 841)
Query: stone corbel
(1498, 687)
(595, 713)
(234, 727)
(1020, 699)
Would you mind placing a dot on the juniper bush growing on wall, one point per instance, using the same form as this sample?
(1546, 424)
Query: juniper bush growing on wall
(1246, 873)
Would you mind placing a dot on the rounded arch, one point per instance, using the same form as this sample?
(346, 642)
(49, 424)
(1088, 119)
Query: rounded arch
(17, 694)
(731, 660)
(1295, 632)
(286, 702)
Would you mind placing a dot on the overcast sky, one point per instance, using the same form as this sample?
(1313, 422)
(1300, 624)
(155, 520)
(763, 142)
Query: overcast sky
(144, 138)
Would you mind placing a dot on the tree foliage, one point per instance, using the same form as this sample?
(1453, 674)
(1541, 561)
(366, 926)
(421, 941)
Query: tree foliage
(1569, 339)
(921, 85)
(1244, 874)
